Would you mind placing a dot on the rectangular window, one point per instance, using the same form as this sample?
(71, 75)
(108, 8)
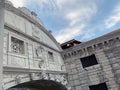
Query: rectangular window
(89, 61)
(17, 46)
(101, 86)
(50, 56)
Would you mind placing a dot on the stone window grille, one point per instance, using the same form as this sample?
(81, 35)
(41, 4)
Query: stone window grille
(17, 46)
(50, 56)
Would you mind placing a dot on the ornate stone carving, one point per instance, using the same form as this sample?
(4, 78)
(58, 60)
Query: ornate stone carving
(50, 56)
(40, 55)
(41, 63)
(17, 46)
(18, 79)
(40, 52)
(45, 75)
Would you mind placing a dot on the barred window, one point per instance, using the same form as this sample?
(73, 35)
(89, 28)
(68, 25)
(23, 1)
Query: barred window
(50, 56)
(101, 86)
(17, 46)
(89, 61)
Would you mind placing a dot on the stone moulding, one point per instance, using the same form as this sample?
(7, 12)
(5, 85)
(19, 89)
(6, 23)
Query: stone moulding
(43, 75)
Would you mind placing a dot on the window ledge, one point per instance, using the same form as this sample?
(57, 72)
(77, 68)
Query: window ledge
(17, 55)
(92, 67)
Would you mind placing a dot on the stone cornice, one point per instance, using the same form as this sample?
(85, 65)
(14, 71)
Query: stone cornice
(104, 42)
(27, 70)
(96, 41)
(9, 27)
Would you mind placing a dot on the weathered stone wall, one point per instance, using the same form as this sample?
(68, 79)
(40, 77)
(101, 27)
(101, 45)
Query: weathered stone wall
(29, 49)
(113, 56)
(107, 51)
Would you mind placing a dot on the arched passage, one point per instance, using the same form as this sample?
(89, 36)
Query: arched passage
(39, 85)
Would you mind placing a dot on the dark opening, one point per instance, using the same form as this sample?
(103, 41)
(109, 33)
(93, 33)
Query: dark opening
(70, 43)
(39, 85)
(89, 61)
(102, 86)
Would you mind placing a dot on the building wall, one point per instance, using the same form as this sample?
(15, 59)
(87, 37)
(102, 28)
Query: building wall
(106, 50)
(30, 51)
(29, 58)
(20, 28)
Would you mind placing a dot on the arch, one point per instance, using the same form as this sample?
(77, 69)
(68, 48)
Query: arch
(39, 85)
(58, 80)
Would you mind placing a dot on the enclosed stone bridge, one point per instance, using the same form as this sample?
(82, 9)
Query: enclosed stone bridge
(37, 81)
(31, 56)
(40, 85)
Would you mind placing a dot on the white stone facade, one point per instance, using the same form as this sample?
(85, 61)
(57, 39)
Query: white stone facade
(29, 50)
(31, 53)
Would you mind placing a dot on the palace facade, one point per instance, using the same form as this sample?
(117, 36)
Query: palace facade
(94, 65)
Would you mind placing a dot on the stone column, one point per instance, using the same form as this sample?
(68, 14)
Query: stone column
(1, 40)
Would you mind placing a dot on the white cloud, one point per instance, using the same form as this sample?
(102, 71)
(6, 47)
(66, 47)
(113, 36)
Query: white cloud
(69, 33)
(81, 15)
(76, 12)
(78, 17)
(72, 15)
(88, 34)
(114, 18)
(18, 3)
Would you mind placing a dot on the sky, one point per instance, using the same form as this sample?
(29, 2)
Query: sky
(82, 20)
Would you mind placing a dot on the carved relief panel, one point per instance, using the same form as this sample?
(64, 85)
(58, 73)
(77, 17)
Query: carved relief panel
(40, 56)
